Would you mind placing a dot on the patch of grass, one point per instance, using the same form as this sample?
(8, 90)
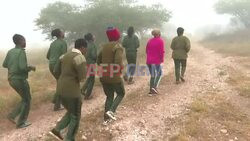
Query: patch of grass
(208, 115)
(244, 91)
(240, 82)
(236, 43)
(199, 106)
(179, 137)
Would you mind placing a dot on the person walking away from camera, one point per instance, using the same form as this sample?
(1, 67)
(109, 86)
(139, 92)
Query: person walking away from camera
(131, 44)
(111, 56)
(70, 70)
(18, 69)
(57, 48)
(91, 63)
(180, 46)
(155, 51)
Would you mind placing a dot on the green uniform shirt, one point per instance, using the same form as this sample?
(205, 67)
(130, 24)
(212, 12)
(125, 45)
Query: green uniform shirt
(16, 63)
(180, 46)
(111, 54)
(91, 56)
(71, 70)
(57, 49)
(131, 44)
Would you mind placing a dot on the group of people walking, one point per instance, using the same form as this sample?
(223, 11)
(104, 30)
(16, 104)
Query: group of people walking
(70, 68)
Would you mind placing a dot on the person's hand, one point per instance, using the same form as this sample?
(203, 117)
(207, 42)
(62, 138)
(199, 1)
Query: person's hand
(32, 68)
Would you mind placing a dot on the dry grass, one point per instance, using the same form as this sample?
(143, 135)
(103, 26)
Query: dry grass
(210, 114)
(180, 137)
(240, 82)
(236, 43)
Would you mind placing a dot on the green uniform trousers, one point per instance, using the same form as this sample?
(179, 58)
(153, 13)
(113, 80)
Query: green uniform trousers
(131, 68)
(156, 74)
(180, 68)
(112, 103)
(22, 87)
(56, 99)
(72, 117)
(88, 86)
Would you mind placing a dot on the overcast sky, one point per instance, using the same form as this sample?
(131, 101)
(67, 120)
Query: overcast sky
(17, 16)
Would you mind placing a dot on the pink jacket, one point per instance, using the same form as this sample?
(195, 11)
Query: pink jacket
(155, 51)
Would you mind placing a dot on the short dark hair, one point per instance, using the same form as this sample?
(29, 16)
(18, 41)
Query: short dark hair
(89, 37)
(56, 32)
(80, 43)
(131, 31)
(180, 31)
(17, 38)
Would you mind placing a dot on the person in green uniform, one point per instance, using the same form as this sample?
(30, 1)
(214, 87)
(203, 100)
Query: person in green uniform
(111, 60)
(131, 43)
(91, 63)
(70, 70)
(16, 63)
(57, 48)
(180, 46)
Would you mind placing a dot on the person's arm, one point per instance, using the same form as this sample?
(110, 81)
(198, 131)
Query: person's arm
(6, 60)
(173, 44)
(57, 68)
(137, 42)
(80, 67)
(22, 64)
(64, 47)
(188, 45)
(94, 52)
(124, 42)
(48, 54)
(147, 47)
(118, 58)
(99, 58)
(162, 51)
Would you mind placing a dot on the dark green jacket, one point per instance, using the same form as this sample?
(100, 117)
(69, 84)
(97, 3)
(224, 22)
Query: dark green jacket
(111, 54)
(91, 53)
(57, 49)
(131, 44)
(16, 63)
(180, 46)
(71, 70)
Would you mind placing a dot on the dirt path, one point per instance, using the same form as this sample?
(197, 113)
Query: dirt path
(147, 118)
(140, 117)
(144, 118)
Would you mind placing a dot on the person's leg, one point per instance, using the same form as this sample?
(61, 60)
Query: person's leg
(56, 99)
(64, 122)
(51, 69)
(75, 117)
(183, 68)
(152, 78)
(126, 74)
(119, 89)
(109, 92)
(177, 69)
(85, 86)
(16, 85)
(132, 64)
(26, 100)
(91, 82)
(158, 75)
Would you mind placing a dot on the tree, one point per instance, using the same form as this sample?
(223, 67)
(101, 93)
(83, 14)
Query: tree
(239, 9)
(96, 15)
